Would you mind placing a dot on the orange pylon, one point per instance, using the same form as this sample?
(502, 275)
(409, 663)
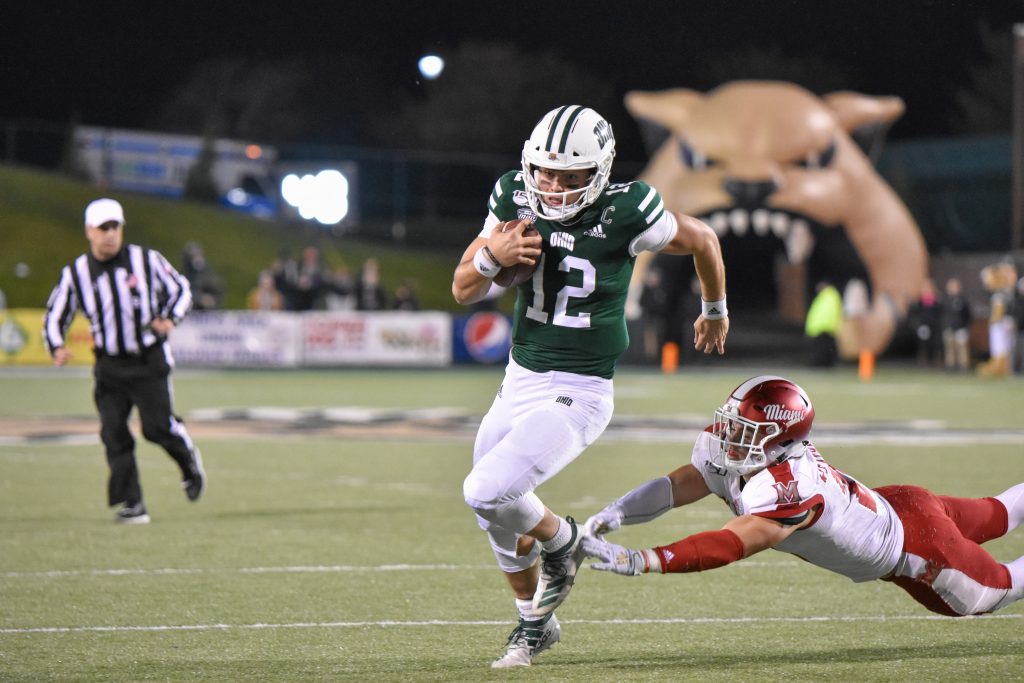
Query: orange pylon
(866, 365)
(669, 357)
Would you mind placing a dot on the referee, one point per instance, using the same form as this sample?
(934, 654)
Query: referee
(133, 298)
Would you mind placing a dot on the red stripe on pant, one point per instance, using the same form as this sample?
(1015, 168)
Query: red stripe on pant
(945, 532)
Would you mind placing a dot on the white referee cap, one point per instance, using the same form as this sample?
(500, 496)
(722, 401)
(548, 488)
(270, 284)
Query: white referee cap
(101, 211)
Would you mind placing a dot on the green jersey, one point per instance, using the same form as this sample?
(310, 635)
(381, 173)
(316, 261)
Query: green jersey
(570, 316)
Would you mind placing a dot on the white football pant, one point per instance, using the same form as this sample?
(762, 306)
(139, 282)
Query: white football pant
(538, 424)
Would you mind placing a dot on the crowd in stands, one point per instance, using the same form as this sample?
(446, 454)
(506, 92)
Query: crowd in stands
(942, 323)
(302, 284)
(941, 319)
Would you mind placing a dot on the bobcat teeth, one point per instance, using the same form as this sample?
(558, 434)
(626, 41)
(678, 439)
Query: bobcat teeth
(759, 219)
(719, 223)
(799, 242)
(739, 220)
(780, 224)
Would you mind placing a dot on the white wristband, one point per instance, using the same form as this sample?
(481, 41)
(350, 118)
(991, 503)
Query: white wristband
(484, 265)
(714, 310)
(653, 562)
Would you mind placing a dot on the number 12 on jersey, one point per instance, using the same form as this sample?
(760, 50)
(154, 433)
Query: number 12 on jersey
(560, 317)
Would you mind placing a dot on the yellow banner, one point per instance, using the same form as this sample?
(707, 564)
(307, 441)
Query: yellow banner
(21, 338)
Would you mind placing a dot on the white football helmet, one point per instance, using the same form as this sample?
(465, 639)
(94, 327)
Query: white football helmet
(765, 420)
(568, 138)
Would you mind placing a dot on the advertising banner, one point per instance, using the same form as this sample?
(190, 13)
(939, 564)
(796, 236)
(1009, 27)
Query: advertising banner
(21, 338)
(255, 339)
(238, 339)
(378, 338)
(484, 337)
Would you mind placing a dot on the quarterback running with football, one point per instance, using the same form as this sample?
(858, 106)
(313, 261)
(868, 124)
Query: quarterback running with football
(568, 331)
(757, 458)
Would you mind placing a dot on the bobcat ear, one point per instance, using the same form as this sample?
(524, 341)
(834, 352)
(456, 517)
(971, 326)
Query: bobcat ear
(867, 119)
(660, 114)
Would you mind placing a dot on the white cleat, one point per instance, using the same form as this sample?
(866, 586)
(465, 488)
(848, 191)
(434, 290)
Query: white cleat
(527, 640)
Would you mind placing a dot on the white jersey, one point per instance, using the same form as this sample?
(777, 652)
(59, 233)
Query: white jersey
(853, 531)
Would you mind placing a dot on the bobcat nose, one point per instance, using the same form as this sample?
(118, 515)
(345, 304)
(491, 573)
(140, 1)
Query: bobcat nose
(750, 193)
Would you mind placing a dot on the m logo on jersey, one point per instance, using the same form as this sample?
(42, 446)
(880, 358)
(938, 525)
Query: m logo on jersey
(596, 231)
(786, 492)
(563, 239)
(775, 411)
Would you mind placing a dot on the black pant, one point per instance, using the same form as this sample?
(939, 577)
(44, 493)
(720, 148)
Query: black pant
(824, 350)
(143, 381)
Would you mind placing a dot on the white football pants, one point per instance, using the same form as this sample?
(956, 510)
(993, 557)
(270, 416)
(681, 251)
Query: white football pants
(538, 424)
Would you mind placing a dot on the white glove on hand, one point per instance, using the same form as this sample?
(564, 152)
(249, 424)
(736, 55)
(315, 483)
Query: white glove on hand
(608, 519)
(615, 558)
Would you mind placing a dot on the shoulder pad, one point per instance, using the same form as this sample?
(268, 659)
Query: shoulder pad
(508, 196)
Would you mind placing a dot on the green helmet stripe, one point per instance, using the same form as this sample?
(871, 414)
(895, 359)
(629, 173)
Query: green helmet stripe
(554, 127)
(568, 127)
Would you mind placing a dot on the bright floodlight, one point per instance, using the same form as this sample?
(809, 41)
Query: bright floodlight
(323, 196)
(431, 66)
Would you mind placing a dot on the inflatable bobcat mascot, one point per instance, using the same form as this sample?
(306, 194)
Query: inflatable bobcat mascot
(776, 171)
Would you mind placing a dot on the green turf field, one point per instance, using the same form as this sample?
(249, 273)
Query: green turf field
(319, 557)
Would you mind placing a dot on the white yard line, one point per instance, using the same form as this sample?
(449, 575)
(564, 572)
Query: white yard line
(302, 569)
(685, 621)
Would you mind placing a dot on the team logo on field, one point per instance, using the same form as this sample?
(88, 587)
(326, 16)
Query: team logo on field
(519, 197)
(563, 239)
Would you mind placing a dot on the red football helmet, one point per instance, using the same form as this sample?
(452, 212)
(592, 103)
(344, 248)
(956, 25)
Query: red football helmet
(765, 421)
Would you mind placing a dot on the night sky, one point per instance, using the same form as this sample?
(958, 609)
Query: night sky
(108, 63)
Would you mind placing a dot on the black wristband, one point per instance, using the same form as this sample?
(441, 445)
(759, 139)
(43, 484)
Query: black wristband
(490, 254)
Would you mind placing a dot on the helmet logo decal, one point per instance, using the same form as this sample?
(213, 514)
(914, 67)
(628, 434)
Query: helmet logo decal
(603, 132)
(552, 156)
(775, 411)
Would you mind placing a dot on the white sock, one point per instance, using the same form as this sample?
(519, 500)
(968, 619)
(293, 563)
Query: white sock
(561, 537)
(1013, 500)
(525, 608)
(1016, 573)
(1016, 591)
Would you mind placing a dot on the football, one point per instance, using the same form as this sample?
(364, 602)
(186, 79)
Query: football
(513, 276)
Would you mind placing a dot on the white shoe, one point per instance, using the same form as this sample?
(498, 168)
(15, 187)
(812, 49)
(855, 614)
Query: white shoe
(132, 514)
(527, 640)
(558, 572)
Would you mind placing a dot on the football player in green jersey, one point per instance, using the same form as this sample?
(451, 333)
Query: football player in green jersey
(569, 329)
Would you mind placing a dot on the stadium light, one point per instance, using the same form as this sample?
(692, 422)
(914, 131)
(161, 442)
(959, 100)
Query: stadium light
(431, 66)
(323, 197)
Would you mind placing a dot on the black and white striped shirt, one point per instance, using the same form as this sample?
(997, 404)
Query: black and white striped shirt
(120, 297)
